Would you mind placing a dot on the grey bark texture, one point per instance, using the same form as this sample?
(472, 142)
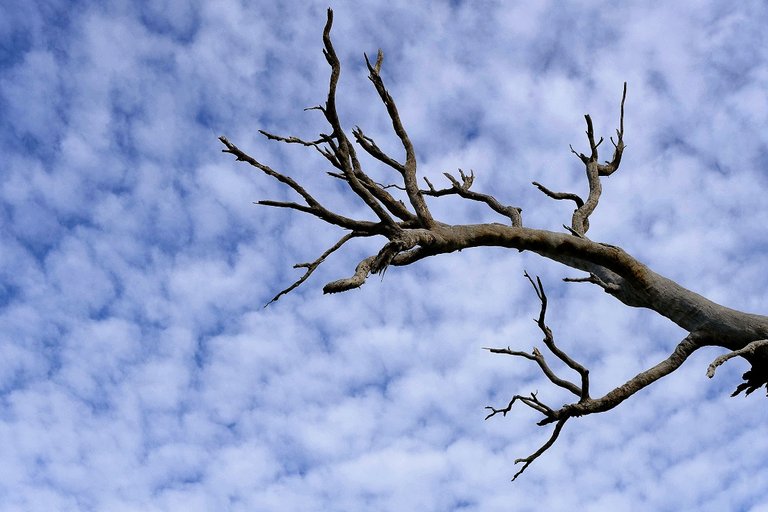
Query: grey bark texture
(412, 234)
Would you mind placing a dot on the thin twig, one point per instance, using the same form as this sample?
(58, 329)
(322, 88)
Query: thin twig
(538, 357)
(535, 455)
(312, 266)
(559, 195)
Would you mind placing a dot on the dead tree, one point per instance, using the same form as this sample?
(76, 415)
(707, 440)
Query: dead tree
(412, 234)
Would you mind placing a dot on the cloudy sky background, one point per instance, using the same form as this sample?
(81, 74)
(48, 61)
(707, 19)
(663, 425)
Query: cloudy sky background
(138, 370)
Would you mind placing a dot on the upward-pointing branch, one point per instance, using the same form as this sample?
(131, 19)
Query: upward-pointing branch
(344, 150)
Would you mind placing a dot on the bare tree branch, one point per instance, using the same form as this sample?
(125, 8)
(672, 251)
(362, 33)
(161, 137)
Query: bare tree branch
(754, 379)
(749, 349)
(534, 403)
(549, 340)
(311, 267)
(292, 140)
(409, 168)
(412, 234)
(594, 279)
(315, 208)
(610, 167)
(513, 213)
(328, 154)
(585, 405)
(394, 206)
(537, 356)
(535, 455)
(531, 401)
(594, 169)
(355, 281)
(560, 195)
(345, 153)
(643, 379)
(372, 149)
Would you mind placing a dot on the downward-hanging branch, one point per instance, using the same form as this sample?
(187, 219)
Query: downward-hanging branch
(412, 233)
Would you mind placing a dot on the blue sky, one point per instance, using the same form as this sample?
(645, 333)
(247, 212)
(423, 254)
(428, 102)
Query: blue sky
(138, 369)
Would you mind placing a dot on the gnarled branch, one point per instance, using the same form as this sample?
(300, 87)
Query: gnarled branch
(412, 234)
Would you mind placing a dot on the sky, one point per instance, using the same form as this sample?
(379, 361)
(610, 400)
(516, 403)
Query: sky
(139, 369)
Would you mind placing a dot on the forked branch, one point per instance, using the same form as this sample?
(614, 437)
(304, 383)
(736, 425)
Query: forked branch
(594, 170)
(513, 213)
(581, 390)
(585, 404)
